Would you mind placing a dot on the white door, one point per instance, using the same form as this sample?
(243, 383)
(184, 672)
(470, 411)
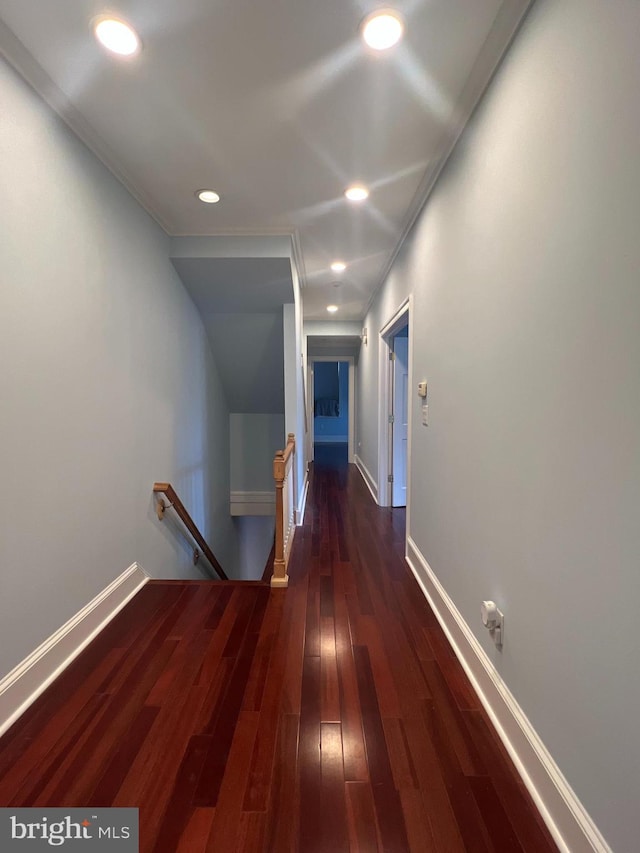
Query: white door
(400, 422)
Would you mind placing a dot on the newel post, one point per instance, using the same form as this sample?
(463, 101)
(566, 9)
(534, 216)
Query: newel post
(279, 577)
(280, 462)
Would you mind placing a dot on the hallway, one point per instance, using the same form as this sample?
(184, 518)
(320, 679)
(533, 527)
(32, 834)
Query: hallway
(330, 717)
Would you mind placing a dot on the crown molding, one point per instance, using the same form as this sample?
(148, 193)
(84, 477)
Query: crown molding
(505, 26)
(22, 61)
(503, 30)
(236, 232)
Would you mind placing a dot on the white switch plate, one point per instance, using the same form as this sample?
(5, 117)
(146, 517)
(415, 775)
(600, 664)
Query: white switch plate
(425, 415)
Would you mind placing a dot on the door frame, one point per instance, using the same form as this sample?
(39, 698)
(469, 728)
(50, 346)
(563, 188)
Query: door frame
(400, 418)
(352, 399)
(399, 319)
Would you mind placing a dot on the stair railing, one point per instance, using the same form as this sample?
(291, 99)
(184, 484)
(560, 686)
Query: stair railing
(175, 502)
(284, 474)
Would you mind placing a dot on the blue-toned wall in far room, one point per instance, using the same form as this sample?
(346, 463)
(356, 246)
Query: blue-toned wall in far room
(331, 429)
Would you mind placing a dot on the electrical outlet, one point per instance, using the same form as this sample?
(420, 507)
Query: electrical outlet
(493, 620)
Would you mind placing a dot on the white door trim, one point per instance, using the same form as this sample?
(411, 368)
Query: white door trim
(399, 428)
(396, 322)
(352, 399)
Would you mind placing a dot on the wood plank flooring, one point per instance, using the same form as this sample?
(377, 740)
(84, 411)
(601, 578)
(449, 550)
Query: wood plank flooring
(329, 717)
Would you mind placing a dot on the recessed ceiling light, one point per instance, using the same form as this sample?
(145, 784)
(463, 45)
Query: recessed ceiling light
(338, 266)
(208, 196)
(117, 36)
(356, 192)
(382, 29)
(332, 309)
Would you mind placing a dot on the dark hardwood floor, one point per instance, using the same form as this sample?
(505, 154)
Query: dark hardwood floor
(329, 717)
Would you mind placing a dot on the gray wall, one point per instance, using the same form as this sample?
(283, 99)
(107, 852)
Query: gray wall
(256, 537)
(525, 487)
(249, 351)
(332, 338)
(108, 384)
(329, 328)
(298, 409)
(255, 440)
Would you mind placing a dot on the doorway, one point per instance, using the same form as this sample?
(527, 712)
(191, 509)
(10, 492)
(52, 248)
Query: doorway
(399, 416)
(331, 394)
(394, 384)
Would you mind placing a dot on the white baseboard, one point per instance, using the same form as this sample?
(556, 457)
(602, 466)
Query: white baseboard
(253, 503)
(571, 826)
(23, 685)
(366, 476)
(303, 500)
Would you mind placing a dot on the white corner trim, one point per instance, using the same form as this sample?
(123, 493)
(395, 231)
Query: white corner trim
(22, 686)
(303, 500)
(366, 476)
(569, 823)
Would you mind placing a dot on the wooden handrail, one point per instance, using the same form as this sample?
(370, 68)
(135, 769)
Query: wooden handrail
(174, 501)
(280, 463)
(286, 453)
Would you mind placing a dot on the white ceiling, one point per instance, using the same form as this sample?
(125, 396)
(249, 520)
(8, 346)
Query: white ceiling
(278, 106)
